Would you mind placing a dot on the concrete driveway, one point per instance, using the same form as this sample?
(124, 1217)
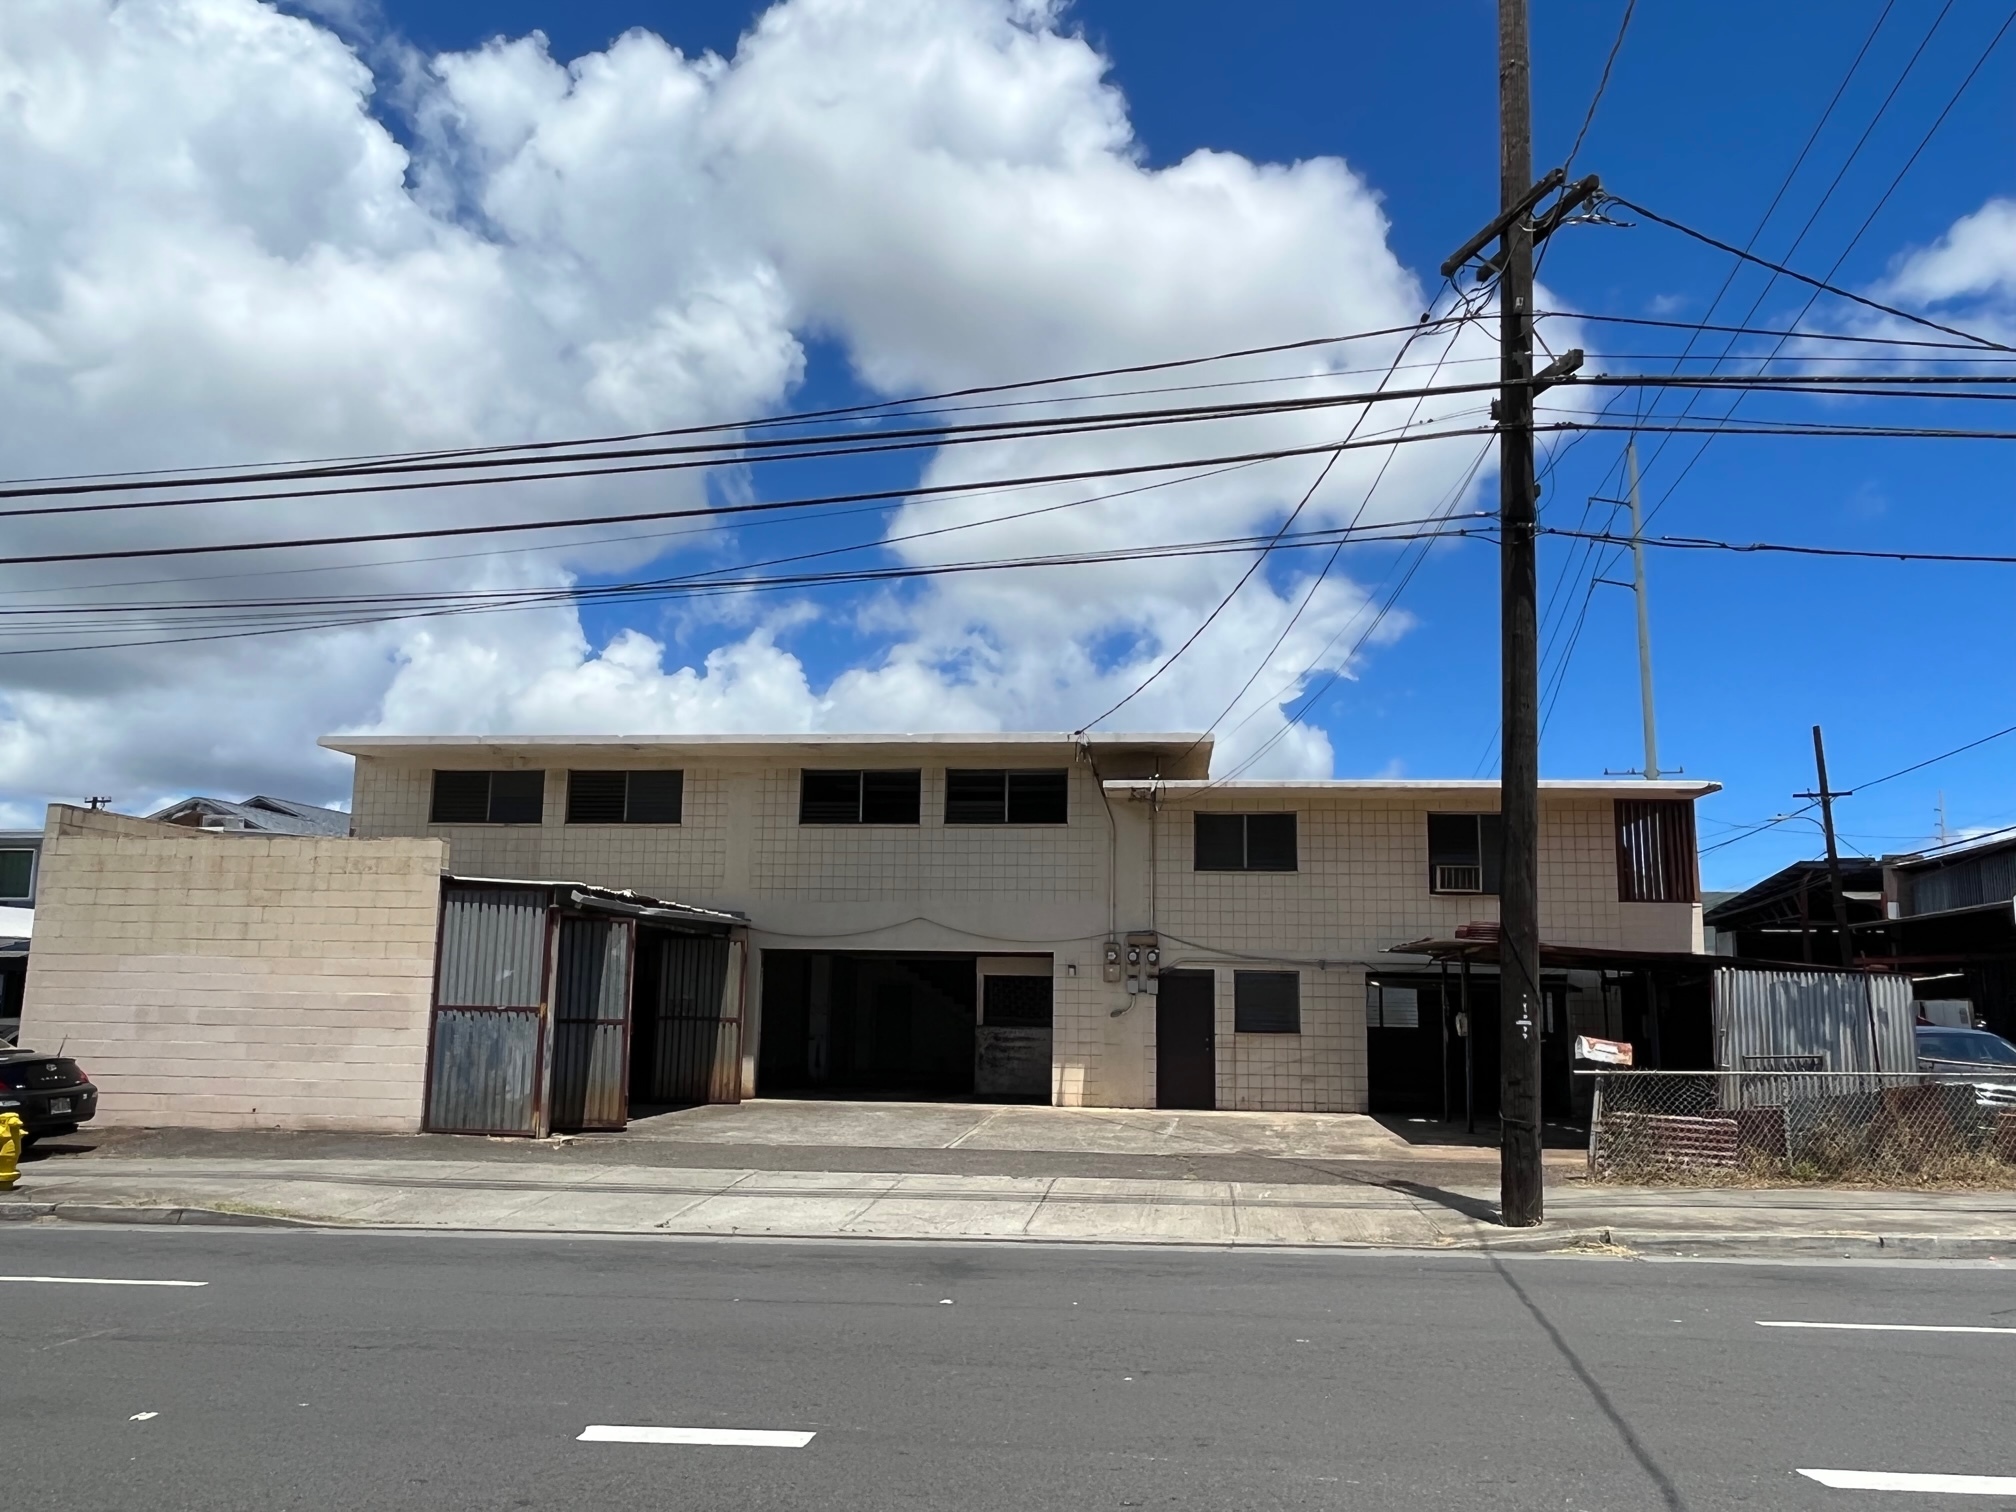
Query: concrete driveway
(1104, 1131)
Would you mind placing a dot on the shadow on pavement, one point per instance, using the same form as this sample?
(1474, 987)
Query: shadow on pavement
(1654, 1471)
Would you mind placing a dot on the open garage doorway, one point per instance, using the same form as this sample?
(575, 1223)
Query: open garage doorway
(922, 1026)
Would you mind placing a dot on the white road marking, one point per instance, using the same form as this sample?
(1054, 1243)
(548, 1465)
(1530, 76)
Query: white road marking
(141, 1417)
(1893, 1327)
(747, 1438)
(1891, 1480)
(97, 1281)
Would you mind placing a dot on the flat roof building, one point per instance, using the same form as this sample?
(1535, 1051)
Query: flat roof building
(1086, 920)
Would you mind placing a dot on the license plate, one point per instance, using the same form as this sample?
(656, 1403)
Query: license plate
(59, 1105)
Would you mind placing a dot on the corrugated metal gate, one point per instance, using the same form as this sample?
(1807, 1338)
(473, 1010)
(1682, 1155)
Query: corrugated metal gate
(591, 1024)
(693, 1040)
(487, 1036)
(1813, 1021)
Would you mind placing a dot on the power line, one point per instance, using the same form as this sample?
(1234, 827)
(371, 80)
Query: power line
(1859, 787)
(1701, 543)
(626, 593)
(505, 527)
(1171, 659)
(228, 473)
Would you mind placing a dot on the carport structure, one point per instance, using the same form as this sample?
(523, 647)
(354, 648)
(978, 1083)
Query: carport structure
(560, 1006)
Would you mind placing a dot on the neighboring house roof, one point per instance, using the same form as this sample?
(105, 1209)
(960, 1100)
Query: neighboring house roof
(256, 815)
(1775, 900)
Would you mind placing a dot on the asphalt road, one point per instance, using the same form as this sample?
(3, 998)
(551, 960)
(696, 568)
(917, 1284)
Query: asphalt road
(362, 1370)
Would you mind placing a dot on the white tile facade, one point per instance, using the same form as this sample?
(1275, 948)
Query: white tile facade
(1361, 887)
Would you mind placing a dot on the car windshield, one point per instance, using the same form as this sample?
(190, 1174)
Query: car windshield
(1957, 1045)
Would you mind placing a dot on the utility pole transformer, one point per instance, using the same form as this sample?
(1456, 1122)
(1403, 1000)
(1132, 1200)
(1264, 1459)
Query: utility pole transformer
(1519, 633)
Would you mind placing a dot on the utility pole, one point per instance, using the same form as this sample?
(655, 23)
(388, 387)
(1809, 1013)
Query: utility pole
(1827, 797)
(1644, 617)
(1519, 1199)
(1517, 229)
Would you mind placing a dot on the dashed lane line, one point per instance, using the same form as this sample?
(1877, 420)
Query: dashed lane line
(1950, 1328)
(1893, 1480)
(745, 1438)
(97, 1281)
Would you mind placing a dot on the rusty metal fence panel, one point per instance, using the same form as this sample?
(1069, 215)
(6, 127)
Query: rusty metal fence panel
(485, 1071)
(1813, 1020)
(486, 1037)
(697, 1038)
(591, 1021)
(1906, 1128)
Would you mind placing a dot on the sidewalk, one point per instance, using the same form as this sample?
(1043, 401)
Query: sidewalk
(970, 1173)
(1393, 1212)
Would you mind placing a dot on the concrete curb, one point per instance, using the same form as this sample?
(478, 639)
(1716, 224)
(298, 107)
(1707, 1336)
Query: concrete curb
(1622, 1244)
(91, 1212)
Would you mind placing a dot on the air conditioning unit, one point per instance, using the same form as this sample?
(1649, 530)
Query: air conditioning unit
(1459, 879)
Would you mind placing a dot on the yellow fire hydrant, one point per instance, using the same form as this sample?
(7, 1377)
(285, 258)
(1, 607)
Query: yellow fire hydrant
(12, 1133)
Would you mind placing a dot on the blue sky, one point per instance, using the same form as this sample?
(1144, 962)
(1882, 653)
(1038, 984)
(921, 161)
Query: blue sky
(1709, 104)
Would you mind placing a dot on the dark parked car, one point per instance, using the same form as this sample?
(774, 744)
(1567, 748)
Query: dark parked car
(50, 1092)
(1966, 1047)
(1961, 1052)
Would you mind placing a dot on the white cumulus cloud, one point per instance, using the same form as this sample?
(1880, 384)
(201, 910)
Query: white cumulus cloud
(215, 246)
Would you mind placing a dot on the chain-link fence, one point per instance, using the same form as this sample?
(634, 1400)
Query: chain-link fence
(1905, 1128)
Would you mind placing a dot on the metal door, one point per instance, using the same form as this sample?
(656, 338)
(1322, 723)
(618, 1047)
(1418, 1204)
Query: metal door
(691, 1051)
(591, 1024)
(486, 1039)
(1186, 1058)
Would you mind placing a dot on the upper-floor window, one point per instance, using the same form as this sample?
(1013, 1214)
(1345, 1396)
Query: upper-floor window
(17, 876)
(488, 798)
(1465, 853)
(1656, 859)
(1266, 1002)
(1244, 842)
(643, 797)
(1015, 796)
(857, 797)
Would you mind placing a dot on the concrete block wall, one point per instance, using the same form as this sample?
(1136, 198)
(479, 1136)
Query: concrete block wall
(236, 981)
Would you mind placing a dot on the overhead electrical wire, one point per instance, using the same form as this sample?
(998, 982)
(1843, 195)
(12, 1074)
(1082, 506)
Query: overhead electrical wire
(624, 593)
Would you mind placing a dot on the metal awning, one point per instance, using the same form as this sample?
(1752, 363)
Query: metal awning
(1483, 949)
(623, 901)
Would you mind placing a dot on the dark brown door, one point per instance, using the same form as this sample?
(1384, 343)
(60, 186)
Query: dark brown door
(1186, 1064)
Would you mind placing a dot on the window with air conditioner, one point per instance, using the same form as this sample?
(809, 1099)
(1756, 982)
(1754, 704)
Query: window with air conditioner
(488, 798)
(1465, 853)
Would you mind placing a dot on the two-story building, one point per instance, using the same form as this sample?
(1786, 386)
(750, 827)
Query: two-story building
(1093, 921)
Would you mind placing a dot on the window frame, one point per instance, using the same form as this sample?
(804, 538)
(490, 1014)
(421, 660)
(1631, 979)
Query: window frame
(628, 803)
(861, 776)
(1210, 818)
(1256, 979)
(27, 895)
(1488, 848)
(1658, 857)
(1009, 799)
(490, 795)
